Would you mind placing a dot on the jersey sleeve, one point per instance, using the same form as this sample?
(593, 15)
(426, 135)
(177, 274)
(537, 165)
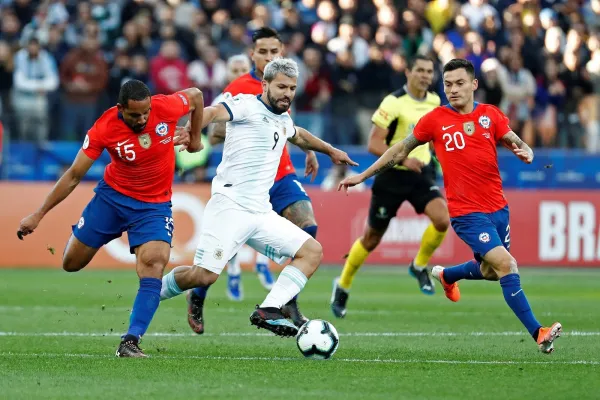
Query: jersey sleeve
(92, 144)
(237, 107)
(173, 106)
(501, 124)
(423, 130)
(386, 113)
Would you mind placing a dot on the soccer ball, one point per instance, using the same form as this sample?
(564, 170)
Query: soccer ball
(317, 339)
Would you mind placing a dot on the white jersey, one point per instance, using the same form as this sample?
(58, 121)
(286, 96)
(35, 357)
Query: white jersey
(254, 142)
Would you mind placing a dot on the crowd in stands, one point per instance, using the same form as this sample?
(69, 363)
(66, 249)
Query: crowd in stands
(62, 62)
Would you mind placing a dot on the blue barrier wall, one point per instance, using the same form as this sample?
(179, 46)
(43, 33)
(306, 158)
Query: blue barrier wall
(558, 169)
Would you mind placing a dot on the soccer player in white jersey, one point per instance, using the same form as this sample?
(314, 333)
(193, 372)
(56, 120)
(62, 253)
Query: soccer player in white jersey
(237, 66)
(239, 210)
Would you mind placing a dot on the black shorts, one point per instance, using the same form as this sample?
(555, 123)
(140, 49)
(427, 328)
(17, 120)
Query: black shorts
(394, 186)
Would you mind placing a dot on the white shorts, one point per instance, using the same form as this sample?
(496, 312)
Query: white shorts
(227, 226)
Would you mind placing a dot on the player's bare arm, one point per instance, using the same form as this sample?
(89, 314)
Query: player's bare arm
(195, 123)
(514, 143)
(216, 113)
(312, 164)
(393, 156)
(63, 188)
(306, 141)
(217, 133)
(377, 146)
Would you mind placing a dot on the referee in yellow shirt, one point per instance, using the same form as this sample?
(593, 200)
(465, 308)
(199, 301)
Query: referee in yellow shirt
(414, 181)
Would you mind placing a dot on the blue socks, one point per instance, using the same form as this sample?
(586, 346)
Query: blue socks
(516, 300)
(145, 305)
(201, 291)
(469, 270)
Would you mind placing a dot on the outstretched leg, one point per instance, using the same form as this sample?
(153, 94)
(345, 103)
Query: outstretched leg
(152, 257)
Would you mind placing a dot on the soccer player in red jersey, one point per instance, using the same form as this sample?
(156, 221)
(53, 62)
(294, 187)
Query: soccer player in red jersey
(135, 194)
(287, 194)
(464, 134)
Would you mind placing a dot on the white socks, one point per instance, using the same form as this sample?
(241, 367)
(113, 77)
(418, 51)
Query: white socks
(290, 282)
(169, 287)
(233, 267)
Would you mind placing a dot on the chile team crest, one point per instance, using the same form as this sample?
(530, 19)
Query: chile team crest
(469, 127)
(485, 122)
(145, 140)
(162, 129)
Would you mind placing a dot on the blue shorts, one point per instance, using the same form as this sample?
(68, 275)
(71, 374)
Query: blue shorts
(482, 232)
(285, 192)
(111, 213)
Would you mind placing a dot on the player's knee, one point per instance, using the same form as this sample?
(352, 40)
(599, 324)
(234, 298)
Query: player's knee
(70, 264)
(152, 263)
(441, 223)
(371, 239)
(312, 252)
(199, 276)
(508, 265)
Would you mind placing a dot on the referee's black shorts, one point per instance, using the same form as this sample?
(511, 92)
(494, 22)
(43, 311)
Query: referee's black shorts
(392, 187)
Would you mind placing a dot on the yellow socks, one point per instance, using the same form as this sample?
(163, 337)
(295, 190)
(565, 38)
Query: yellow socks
(357, 256)
(429, 243)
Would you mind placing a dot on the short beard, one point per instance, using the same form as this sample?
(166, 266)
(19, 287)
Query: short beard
(273, 102)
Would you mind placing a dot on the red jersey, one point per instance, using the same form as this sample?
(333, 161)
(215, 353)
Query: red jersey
(465, 145)
(142, 164)
(251, 84)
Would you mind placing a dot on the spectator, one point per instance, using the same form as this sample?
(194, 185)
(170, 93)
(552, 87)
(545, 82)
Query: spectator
(417, 38)
(35, 75)
(549, 100)
(84, 76)
(310, 105)
(208, 74)
(139, 68)
(344, 101)
(132, 41)
(490, 91)
(236, 42)
(348, 40)
(476, 11)
(518, 90)
(37, 27)
(56, 44)
(168, 71)
(7, 67)
(374, 79)
(10, 30)
(117, 75)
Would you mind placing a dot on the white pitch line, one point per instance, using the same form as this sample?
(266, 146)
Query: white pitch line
(287, 359)
(256, 334)
(219, 309)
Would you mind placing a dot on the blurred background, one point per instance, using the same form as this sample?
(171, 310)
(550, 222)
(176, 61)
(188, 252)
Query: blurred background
(62, 63)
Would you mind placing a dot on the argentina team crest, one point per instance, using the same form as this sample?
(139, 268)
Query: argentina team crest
(162, 129)
(469, 127)
(485, 122)
(145, 140)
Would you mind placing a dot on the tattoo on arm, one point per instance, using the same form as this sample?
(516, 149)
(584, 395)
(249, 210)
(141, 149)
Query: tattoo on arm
(389, 165)
(410, 143)
(398, 153)
(511, 138)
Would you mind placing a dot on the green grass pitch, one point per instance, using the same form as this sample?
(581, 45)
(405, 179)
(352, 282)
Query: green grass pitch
(59, 332)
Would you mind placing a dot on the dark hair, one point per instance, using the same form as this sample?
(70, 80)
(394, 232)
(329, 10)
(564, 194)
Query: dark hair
(265, 33)
(133, 90)
(459, 63)
(411, 62)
